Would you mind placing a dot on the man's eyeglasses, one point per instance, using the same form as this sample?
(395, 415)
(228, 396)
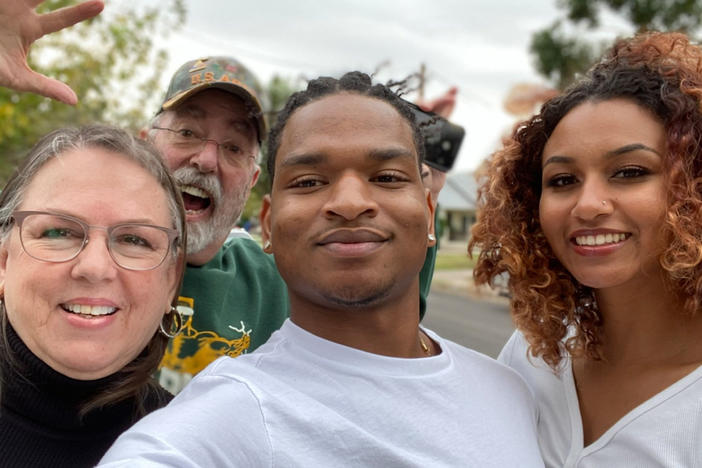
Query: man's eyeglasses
(187, 140)
(59, 238)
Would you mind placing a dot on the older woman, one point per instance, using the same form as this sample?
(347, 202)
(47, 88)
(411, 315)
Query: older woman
(594, 208)
(91, 258)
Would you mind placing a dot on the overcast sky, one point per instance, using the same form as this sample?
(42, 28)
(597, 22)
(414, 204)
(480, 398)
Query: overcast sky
(478, 45)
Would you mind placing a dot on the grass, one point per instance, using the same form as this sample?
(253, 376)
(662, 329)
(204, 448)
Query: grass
(453, 261)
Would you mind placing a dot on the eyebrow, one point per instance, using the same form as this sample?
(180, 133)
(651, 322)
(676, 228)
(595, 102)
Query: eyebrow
(386, 154)
(304, 159)
(189, 111)
(197, 112)
(310, 159)
(631, 147)
(615, 152)
(62, 212)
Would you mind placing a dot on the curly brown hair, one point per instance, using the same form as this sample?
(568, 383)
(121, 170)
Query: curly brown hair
(661, 72)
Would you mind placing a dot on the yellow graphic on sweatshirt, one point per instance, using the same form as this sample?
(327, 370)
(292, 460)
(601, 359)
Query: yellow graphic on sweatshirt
(180, 364)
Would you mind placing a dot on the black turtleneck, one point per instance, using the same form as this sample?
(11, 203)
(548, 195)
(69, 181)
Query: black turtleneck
(39, 421)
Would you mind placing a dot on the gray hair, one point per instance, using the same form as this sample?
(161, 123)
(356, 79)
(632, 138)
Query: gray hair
(96, 136)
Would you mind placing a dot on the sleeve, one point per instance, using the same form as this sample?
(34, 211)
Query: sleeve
(214, 421)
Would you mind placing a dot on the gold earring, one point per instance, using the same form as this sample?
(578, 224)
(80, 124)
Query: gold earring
(174, 323)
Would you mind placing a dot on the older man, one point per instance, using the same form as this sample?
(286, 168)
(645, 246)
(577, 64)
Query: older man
(208, 130)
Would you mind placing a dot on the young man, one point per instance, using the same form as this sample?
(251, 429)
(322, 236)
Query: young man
(351, 379)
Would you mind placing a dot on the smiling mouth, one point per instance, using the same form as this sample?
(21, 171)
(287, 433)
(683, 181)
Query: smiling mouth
(600, 239)
(195, 199)
(89, 311)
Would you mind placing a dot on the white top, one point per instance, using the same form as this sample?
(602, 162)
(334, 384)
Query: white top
(664, 431)
(300, 400)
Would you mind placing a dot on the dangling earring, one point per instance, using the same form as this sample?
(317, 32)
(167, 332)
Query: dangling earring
(173, 323)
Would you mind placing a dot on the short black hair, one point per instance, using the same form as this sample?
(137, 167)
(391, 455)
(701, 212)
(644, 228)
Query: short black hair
(351, 82)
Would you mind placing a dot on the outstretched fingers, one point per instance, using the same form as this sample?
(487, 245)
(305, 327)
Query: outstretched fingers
(49, 87)
(68, 16)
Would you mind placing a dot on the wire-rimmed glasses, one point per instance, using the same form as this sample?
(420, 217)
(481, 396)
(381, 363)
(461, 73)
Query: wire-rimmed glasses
(189, 140)
(56, 238)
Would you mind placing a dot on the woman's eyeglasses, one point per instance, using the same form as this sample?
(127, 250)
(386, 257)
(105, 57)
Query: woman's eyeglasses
(59, 238)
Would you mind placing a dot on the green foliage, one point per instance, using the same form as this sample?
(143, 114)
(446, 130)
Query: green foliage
(110, 62)
(668, 15)
(559, 56)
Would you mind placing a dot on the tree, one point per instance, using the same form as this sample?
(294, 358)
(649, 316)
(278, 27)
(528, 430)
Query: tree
(560, 54)
(112, 64)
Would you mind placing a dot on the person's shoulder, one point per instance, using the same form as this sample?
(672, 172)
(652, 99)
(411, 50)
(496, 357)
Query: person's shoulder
(495, 381)
(514, 350)
(244, 256)
(243, 249)
(467, 356)
(242, 244)
(477, 363)
(252, 366)
(211, 403)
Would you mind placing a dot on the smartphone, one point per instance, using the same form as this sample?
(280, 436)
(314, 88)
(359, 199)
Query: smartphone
(442, 139)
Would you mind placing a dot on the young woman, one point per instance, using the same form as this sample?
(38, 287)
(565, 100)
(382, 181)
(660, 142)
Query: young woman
(594, 208)
(91, 259)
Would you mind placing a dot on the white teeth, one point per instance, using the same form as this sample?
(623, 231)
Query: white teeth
(600, 239)
(89, 310)
(194, 191)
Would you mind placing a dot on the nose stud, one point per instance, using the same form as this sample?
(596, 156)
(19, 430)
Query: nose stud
(604, 202)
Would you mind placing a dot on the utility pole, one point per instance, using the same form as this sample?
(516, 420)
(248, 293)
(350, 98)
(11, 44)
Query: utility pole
(422, 79)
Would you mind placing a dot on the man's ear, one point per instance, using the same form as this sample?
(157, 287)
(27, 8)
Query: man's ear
(431, 231)
(254, 178)
(143, 133)
(265, 220)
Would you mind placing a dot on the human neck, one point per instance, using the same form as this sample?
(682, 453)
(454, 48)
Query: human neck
(388, 329)
(644, 325)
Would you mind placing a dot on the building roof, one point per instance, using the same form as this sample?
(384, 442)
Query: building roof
(459, 193)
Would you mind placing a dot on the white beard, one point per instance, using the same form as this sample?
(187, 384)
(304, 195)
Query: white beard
(225, 214)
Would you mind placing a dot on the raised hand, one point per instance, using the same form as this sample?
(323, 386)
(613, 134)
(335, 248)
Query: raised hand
(20, 26)
(442, 105)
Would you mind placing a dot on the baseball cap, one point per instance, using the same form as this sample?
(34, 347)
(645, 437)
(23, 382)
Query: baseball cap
(221, 72)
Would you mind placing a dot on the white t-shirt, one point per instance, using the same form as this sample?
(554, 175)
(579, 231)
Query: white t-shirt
(664, 431)
(301, 400)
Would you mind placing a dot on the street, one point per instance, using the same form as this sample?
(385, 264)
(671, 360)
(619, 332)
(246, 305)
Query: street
(480, 324)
